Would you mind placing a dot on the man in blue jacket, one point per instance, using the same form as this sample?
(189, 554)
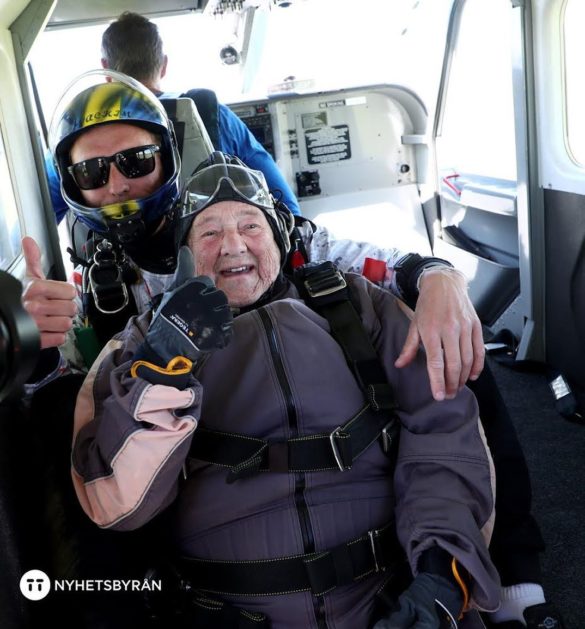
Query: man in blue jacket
(132, 45)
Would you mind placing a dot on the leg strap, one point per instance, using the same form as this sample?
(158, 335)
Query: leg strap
(376, 551)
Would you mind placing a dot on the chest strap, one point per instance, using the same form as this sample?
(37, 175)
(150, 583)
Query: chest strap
(376, 551)
(246, 456)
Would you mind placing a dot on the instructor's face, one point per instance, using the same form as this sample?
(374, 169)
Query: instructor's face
(106, 140)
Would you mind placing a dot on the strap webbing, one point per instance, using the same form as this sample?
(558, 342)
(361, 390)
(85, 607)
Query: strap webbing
(375, 551)
(324, 289)
(247, 455)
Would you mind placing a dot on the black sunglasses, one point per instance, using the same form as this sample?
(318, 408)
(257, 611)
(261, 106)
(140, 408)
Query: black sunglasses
(132, 163)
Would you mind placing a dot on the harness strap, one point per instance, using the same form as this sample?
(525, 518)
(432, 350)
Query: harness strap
(376, 551)
(247, 456)
(325, 290)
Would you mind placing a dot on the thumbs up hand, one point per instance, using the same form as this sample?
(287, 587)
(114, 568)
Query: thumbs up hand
(193, 318)
(49, 302)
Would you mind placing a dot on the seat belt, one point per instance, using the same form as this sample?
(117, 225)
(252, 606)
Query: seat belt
(565, 400)
(503, 348)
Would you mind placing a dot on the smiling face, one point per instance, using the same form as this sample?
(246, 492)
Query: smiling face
(105, 140)
(233, 244)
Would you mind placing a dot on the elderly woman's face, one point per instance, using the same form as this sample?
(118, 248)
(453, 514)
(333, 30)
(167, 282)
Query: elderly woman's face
(233, 244)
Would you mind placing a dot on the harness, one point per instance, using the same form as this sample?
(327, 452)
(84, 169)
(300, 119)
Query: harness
(107, 303)
(325, 290)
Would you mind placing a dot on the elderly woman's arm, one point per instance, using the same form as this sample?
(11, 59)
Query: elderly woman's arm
(131, 436)
(139, 404)
(444, 479)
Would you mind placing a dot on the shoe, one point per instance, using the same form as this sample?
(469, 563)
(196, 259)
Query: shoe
(543, 616)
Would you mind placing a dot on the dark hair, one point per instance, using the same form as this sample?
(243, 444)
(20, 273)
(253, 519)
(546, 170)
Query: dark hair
(132, 45)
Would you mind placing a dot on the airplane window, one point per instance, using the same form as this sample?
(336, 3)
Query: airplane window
(574, 18)
(478, 134)
(9, 225)
(324, 44)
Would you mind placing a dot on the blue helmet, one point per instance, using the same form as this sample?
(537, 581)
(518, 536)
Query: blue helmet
(113, 97)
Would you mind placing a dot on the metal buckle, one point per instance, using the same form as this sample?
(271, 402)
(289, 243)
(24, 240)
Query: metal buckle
(373, 535)
(338, 460)
(341, 284)
(95, 290)
(387, 438)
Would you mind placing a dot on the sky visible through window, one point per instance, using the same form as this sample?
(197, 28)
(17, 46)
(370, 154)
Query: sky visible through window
(327, 44)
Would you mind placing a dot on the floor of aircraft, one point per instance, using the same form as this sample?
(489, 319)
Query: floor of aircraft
(554, 451)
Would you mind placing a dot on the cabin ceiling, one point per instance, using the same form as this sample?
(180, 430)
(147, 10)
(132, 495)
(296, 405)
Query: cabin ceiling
(70, 12)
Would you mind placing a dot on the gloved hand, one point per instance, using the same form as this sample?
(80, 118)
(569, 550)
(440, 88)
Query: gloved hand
(430, 602)
(193, 317)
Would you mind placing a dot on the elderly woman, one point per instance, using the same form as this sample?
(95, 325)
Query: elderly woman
(264, 427)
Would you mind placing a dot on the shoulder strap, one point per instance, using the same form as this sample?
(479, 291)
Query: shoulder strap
(324, 289)
(208, 109)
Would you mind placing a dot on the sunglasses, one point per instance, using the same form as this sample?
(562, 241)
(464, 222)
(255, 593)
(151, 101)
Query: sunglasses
(132, 163)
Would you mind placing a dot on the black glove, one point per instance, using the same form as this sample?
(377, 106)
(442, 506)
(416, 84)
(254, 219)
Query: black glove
(193, 318)
(430, 602)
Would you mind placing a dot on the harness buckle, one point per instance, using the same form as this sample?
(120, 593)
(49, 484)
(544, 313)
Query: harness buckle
(106, 280)
(374, 536)
(387, 436)
(316, 287)
(337, 433)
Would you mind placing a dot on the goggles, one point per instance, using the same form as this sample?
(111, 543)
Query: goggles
(132, 163)
(226, 182)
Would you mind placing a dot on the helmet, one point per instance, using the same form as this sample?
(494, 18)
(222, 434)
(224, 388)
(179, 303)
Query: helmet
(224, 177)
(111, 97)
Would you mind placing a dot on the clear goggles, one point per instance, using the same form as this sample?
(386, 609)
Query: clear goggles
(225, 182)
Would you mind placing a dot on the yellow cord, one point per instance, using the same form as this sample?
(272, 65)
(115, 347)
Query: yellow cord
(462, 585)
(177, 366)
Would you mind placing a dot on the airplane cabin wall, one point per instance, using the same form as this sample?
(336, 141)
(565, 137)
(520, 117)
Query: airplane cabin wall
(353, 158)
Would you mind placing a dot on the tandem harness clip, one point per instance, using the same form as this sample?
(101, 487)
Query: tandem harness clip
(322, 281)
(106, 279)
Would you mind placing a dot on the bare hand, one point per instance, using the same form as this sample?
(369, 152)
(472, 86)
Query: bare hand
(448, 327)
(49, 302)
